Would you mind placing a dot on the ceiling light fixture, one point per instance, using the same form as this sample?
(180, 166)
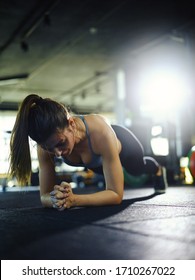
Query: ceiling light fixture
(11, 80)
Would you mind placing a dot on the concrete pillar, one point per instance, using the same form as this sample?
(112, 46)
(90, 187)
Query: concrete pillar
(120, 96)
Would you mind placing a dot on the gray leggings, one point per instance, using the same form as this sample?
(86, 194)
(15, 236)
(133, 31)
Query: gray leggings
(132, 155)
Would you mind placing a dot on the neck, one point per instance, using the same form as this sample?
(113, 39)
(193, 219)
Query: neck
(80, 132)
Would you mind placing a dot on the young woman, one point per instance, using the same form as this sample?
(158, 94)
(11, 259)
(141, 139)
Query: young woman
(87, 141)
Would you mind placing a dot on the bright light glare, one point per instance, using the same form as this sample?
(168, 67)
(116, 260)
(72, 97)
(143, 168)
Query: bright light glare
(188, 176)
(6, 124)
(156, 130)
(184, 161)
(163, 91)
(160, 146)
(121, 85)
(193, 149)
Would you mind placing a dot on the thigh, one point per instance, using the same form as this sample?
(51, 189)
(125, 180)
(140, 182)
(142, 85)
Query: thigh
(131, 155)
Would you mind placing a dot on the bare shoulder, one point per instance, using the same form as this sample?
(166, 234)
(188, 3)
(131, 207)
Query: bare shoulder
(100, 130)
(94, 117)
(43, 156)
(97, 123)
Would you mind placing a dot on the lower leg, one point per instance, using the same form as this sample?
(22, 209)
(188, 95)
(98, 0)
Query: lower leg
(160, 184)
(160, 180)
(159, 172)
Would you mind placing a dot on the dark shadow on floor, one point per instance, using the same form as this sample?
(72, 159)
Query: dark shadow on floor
(24, 221)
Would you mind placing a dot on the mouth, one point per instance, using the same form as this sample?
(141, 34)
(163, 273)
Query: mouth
(66, 153)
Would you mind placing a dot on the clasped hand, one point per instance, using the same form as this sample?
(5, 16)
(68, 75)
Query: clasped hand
(62, 196)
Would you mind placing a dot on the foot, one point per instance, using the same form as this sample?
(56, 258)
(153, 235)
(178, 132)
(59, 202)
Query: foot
(160, 184)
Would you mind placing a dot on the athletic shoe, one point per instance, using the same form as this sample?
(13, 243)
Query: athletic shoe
(160, 184)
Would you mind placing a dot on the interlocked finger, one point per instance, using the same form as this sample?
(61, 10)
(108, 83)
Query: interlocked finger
(57, 203)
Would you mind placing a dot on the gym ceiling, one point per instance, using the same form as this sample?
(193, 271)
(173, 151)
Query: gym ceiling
(71, 50)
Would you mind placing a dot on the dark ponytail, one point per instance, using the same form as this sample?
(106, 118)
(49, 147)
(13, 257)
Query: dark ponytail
(38, 118)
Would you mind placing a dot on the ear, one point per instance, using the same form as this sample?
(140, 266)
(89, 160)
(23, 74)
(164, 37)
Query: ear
(71, 122)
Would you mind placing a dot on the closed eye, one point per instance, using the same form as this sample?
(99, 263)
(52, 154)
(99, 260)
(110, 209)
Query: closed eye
(61, 144)
(58, 145)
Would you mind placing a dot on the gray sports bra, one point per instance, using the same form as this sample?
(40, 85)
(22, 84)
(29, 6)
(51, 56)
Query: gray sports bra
(96, 160)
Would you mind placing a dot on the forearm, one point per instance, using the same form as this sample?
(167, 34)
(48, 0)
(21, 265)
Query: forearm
(68, 199)
(106, 197)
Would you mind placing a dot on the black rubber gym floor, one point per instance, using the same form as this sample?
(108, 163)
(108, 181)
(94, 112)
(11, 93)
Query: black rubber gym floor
(144, 226)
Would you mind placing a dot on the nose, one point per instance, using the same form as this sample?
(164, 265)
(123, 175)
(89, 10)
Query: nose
(57, 152)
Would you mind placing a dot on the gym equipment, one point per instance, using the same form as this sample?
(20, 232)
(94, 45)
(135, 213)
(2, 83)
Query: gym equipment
(191, 162)
(135, 181)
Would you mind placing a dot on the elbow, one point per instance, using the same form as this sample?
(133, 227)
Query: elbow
(118, 199)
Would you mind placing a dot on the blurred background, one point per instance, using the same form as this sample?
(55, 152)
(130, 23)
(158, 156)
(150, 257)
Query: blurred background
(131, 61)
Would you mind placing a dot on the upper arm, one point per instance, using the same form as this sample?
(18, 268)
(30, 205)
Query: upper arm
(107, 145)
(46, 171)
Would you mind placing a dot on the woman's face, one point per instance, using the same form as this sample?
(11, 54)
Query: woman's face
(61, 143)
